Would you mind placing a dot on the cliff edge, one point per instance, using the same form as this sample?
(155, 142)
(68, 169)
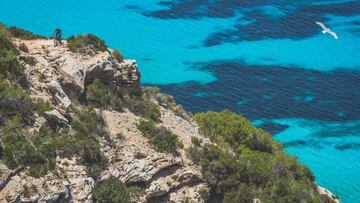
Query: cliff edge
(76, 126)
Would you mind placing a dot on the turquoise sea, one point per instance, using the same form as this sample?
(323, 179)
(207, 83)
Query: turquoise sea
(265, 59)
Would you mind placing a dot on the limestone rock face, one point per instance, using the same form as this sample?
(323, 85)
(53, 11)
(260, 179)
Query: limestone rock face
(122, 77)
(134, 160)
(60, 77)
(55, 119)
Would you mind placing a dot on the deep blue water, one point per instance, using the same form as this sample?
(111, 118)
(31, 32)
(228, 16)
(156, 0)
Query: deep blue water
(265, 59)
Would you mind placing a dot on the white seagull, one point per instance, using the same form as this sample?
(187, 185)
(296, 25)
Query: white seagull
(327, 30)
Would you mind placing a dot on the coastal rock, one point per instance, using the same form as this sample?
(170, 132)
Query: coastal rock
(61, 99)
(134, 160)
(122, 77)
(329, 194)
(61, 77)
(55, 119)
(59, 197)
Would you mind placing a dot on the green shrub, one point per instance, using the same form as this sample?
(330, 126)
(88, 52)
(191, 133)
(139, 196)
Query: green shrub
(26, 191)
(80, 42)
(245, 163)
(9, 65)
(233, 129)
(38, 151)
(113, 190)
(41, 106)
(18, 150)
(14, 101)
(28, 60)
(143, 108)
(168, 101)
(97, 94)
(87, 125)
(23, 34)
(162, 139)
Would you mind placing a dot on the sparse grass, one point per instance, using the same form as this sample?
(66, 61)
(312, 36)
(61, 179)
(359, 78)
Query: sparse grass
(162, 139)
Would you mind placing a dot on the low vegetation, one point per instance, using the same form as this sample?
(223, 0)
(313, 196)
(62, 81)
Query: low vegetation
(23, 34)
(162, 139)
(41, 106)
(39, 149)
(14, 101)
(28, 60)
(100, 96)
(144, 108)
(9, 66)
(113, 190)
(83, 41)
(167, 101)
(87, 126)
(245, 163)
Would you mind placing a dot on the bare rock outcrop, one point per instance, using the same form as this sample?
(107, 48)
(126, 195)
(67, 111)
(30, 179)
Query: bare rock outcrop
(123, 77)
(55, 119)
(136, 161)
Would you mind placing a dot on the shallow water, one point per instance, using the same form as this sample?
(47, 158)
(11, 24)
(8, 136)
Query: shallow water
(266, 59)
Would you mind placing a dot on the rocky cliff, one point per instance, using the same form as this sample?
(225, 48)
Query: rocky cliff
(65, 80)
(60, 77)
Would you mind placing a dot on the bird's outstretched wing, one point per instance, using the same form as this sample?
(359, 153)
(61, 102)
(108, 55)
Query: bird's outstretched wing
(321, 25)
(333, 34)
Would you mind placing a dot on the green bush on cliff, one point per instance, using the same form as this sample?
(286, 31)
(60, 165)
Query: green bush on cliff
(97, 94)
(9, 66)
(23, 34)
(41, 106)
(80, 42)
(18, 150)
(14, 101)
(38, 150)
(246, 163)
(113, 190)
(87, 125)
(28, 60)
(162, 139)
(145, 109)
(167, 101)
